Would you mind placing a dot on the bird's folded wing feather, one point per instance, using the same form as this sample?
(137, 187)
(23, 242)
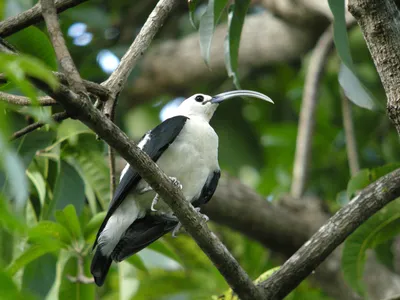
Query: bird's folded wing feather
(155, 143)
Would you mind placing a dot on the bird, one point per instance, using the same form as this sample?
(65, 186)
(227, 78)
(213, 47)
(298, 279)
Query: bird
(185, 147)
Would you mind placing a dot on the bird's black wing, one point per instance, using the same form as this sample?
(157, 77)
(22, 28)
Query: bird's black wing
(158, 140)
(208, 189)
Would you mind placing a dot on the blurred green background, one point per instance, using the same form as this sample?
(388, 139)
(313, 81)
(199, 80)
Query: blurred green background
(51, 210)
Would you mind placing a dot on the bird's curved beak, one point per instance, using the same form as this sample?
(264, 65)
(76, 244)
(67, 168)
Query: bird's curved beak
(239, 93)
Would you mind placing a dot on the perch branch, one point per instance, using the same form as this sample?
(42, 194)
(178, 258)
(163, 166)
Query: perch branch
(331, 235)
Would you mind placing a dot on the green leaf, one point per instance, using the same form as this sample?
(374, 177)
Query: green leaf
(39, 275)
(33, 41)
(8, 219)
(8, 289)
(93, 225)
(38, 182)
(30, 254)
(384, 254)
(63, 258)
(236, 16)
(208, 22)
(192, 8)
(163, 247)
(366, 176)
(16, 181)
(380, 228)
(137, 262)
(69, 189)
(352, 86)
(31, 143)
(68, 218)
(48, 230)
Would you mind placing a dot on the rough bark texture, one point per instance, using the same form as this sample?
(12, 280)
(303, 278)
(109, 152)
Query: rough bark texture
(379, 22)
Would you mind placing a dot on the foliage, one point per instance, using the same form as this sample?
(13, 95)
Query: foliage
(54, 183)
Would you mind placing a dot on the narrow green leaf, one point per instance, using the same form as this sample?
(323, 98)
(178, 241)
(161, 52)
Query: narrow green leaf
(38, 182)
(33, 41)
(192, 17)
(63, 258)
(72, 220)
(384, 254)
(137, 262)
(236, 16)
(93, 225)
(208, 22)
(352, 86)
(380, 228)
(30, 254)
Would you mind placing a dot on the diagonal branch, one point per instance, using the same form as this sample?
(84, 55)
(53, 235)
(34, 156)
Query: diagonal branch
(64, 57)
(331, 235)
(150, 172)
(32, 16)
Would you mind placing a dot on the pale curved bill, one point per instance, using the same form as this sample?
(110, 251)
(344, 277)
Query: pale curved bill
(239, 93)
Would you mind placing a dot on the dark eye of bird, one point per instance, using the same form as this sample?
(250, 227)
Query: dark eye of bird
(199, 98)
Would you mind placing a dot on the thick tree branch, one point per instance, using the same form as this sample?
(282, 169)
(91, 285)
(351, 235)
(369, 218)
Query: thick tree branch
(58, 117)
(307, 112)
(332, 234)
(25, 101)
(32, 16)
(64, 57)
(379, 23)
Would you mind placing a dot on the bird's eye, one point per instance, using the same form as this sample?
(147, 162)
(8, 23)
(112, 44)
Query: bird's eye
(199, 98)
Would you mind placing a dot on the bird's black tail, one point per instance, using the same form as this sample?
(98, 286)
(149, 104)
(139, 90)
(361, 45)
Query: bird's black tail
(100, 266)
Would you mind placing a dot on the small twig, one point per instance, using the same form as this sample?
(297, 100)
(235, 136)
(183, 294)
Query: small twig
(142, 41)
(80, 277)
(64, 57)
(307, 112)
(58, 117)
(32, 16)
(111, 162)
(25, 101)
(331, 235)
(351, 143)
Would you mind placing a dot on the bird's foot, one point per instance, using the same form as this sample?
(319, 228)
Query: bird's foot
(175, 182)
(179, 226)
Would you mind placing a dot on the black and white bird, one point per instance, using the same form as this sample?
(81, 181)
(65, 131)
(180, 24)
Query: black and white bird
(185, 147)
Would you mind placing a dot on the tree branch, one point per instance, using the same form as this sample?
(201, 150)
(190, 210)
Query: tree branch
(332, 234)
(307, 112)
(379, 24)
(58, 117)
(150, 172)
(64, 57)
(117, 79)
(32, 16)
(25, 101)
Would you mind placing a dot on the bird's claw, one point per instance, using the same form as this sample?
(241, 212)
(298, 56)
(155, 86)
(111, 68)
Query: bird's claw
(179, 226)
(175, 182)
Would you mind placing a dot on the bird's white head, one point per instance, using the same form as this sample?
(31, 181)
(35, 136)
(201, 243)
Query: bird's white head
(203, 106)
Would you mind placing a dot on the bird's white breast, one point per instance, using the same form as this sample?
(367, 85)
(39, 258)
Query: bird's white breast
(191, 158)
